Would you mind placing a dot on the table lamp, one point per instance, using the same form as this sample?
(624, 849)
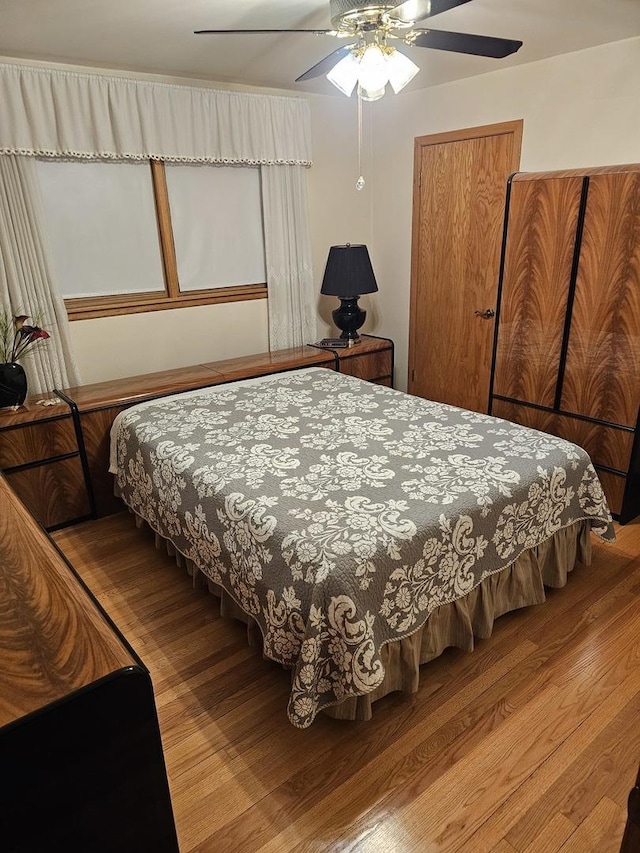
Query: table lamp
(348, 275)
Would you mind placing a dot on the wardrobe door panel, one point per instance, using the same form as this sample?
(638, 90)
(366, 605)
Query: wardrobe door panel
(543, 218)
(602, 375)
(606, 446)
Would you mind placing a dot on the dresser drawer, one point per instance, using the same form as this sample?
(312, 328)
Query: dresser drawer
(371, 366)
(606, 446)
(54, 493)
(34, 442)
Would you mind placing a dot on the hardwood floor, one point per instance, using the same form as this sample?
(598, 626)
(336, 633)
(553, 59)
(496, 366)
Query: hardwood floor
(529, 744)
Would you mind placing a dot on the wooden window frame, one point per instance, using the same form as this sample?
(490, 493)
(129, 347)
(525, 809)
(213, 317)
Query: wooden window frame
(89, 307)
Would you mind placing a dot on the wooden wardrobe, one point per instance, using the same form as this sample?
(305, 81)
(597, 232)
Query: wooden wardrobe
(566, 355)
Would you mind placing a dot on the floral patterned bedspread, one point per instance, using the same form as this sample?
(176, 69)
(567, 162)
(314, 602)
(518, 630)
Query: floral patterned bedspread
(339, 513)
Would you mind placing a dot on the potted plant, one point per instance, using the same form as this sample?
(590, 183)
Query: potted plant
(17, 337)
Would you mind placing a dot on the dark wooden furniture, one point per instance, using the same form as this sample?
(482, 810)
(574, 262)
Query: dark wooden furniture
(567, 346)
(82, 762)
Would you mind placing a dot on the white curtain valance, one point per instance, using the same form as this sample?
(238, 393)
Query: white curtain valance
(57, 113)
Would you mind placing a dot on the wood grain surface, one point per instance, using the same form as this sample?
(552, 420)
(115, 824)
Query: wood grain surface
(541, 236)
(459, 194)
(602, 375)
(32, 410)
(165, 228)
(96, 431)
(605, 445)
(572, 173)
(365, 344)
(369, 358)
(135, 389)
(372, 366)
(36, 441)
(530, 743)
(260, 364)
(53, 639)
(55, 493)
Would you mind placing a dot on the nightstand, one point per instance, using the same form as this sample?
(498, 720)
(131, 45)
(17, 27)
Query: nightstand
(371, 359)
(42, 458)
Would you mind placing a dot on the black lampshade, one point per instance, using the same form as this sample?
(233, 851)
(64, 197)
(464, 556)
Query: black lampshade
(348, 272)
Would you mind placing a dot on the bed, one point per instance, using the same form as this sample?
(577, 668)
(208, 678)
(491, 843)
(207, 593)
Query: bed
(360, 529)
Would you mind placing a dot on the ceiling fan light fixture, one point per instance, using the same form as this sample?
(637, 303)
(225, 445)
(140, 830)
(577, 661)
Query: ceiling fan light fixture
(401, 70)
(344, 75)
(371, 68)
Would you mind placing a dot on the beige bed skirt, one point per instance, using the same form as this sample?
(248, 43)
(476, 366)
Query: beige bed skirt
(519, 585)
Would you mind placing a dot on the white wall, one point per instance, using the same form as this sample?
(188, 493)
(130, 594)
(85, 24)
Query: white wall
(581, 109)
(130, 344)
(339, 213)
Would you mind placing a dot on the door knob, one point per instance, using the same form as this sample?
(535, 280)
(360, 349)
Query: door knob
(487, 314)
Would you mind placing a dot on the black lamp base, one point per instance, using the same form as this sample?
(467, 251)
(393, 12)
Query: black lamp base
(349, 317)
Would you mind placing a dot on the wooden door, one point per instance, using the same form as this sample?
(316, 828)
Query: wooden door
(458, 209)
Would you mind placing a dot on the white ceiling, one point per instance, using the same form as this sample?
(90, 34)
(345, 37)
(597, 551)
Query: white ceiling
(157, 36)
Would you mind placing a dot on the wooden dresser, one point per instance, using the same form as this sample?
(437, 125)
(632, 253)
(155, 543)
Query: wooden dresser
(567, 340)
(57, 457)
(40, 454)
(82, 762)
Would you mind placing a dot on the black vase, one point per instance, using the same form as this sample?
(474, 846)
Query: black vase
(13, 385)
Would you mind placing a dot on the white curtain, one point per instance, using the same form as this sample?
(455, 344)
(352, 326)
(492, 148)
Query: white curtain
(292, 314)
(58, 113)
(52, 112)
(27, 283)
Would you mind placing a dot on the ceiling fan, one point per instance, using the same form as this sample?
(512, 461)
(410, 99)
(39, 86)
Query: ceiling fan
(369, 60)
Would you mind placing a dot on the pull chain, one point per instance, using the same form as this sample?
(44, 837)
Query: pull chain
(360, 182)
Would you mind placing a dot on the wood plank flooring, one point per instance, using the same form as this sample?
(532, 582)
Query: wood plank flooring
(529, 744)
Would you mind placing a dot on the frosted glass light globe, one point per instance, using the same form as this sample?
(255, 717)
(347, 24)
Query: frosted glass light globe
(401, 70)
(344, 75)
(373, 75)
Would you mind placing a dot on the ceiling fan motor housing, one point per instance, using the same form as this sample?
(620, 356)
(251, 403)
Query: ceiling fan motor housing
(355, 11)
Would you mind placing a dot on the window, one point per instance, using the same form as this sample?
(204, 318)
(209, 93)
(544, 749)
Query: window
(142, 236)
(217, 225)
(102, 226)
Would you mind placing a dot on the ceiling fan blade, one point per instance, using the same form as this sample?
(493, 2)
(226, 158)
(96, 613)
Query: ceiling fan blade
(418, 10)
(325, 65)
(261, 32)
(497, 48)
